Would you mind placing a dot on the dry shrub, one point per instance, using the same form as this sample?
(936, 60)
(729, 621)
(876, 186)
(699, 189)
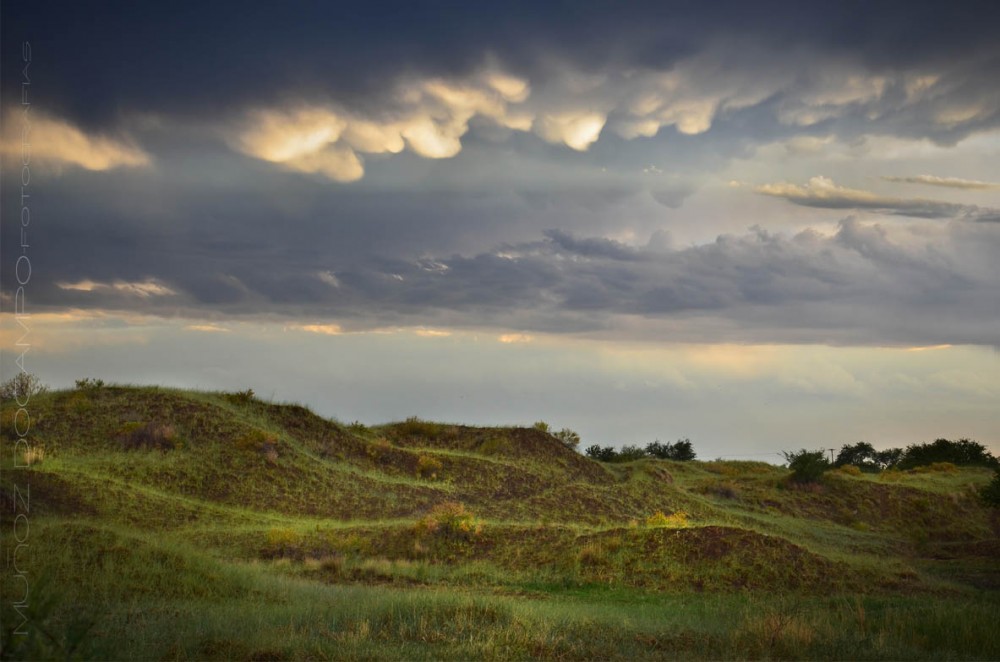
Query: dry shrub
(283, 543)
(450, 519)
(258, 441)
(727, 490)
(33, 455)
(159, 436)
(776, 634)
(891, 476)
(850, 470)
(428, 466)
(677, 520)
(591, 553)
(936, 467)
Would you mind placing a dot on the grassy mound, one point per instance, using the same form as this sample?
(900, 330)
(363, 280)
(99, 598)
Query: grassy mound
(453, 541)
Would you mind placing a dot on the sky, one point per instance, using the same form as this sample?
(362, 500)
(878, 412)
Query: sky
(761, 226)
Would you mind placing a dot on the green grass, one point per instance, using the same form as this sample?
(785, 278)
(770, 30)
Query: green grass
(213, 548)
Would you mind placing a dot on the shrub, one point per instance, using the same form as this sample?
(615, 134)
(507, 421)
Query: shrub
(543, 427)
(21, 387)
(591, 553)
(726, 490)
(602, 453)
(849, 469)
(428, 466)
(415, 427)
(359, 428)
(891, 475)
(806, 466)
(990, 494)
(937, 467)
(88, 384)
(450, 519)
(158, 436)
(33, 455)
(681, 451)
(569, 438)
(283, 542)
(241, 397)
(492, 446)
(629, 453)
(677, 520)
(260, 442)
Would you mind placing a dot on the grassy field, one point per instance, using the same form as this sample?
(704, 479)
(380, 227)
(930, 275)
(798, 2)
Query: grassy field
(168, 524)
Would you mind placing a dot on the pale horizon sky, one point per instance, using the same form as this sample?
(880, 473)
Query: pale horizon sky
(761, 226)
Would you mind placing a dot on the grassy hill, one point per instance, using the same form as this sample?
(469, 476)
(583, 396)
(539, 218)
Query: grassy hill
(173, 524)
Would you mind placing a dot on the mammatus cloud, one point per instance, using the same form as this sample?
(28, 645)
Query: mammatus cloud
(947, 182)
(55, 142)
(428, 117)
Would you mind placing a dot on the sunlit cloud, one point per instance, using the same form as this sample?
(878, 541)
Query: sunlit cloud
(56, 142)
(428, 116)
(207, 328)
(823, 192)
(329, 278)
(947, 182)
(514, 338)
(143, 289)
(578, 130)
(432, 333)
(322, 329)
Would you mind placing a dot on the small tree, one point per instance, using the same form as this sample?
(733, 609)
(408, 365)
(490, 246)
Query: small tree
(807, 466)
(889, 458)
(21, 387)
(682, 451)
(861, 455)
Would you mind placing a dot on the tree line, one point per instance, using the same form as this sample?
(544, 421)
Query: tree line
(680, 450)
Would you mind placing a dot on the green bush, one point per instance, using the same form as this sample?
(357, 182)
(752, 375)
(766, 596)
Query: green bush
(242, 398)
(629, 453)
(681, 451)
(991, 493)
(807, 466)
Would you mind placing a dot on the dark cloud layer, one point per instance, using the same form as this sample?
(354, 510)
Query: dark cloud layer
(193, 58)
(865, 284)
